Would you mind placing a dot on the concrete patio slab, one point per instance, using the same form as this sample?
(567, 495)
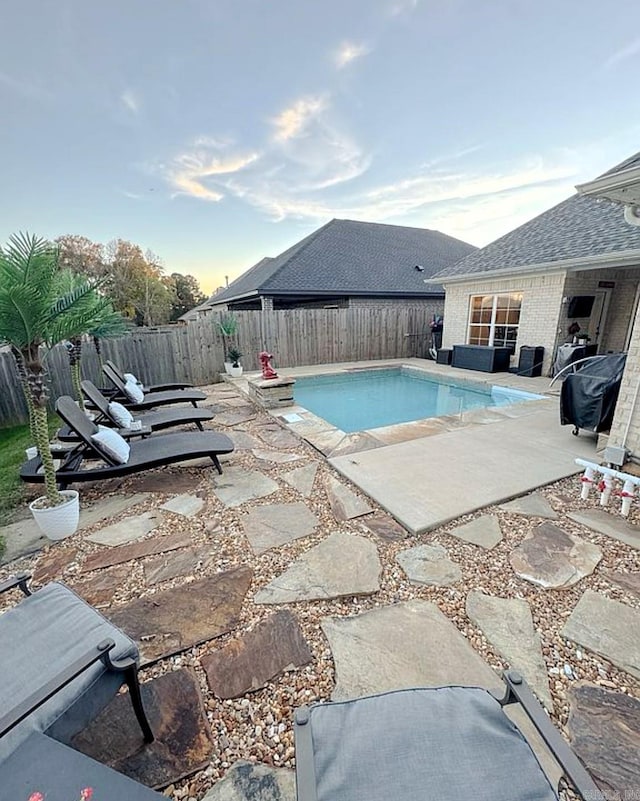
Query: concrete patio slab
(427, 482)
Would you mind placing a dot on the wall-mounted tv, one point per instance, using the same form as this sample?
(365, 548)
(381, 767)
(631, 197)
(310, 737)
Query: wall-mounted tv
(580, 306)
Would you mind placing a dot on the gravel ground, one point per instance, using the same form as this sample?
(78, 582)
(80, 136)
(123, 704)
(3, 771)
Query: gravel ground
(258, 726)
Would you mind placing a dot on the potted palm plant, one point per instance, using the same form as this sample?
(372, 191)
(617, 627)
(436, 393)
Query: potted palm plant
(228, 327)
(34, 316)
(234, 355)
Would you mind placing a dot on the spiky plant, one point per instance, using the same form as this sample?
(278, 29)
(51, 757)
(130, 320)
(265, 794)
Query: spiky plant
(34, 313)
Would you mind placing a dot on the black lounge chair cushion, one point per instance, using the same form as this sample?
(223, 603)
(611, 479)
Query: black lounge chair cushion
(432, 744)
(41, 636)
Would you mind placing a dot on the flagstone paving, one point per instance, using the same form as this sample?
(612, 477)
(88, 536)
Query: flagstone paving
(342, 564)
(552, 558)
(628, 581)
(604, 729)
(484, 531)
(610, 628)
(248, 781)
(385, 528)
(53, 564)
(278, 457)
(508, 625)
(171, 621)
(243, 441)
(21, 539)
(177, 564)
(126, 553)
(302, 479)
(127, 530)
(430, 565)
(272, 525)
(345, 504)
(534, 505)
(277, 436)
(236, 416)
(608, 525)
(99, 590)
(237, 486)
(247, 663)
(187, 505)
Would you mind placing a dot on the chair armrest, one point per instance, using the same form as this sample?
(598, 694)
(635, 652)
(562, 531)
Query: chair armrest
(129, 433)
(518, 691)
(20, 580)
(40, 696)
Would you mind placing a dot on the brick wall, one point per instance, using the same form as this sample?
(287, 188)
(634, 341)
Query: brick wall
(541, 303)
(625, 400)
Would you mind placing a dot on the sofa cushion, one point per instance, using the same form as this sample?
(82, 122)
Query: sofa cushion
(41, 636)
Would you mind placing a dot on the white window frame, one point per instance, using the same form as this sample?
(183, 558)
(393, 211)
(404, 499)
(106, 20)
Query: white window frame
(494, 309)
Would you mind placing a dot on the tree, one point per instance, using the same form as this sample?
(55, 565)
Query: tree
(135, 283)
(33, 314)
(188, 294)
(81, 255)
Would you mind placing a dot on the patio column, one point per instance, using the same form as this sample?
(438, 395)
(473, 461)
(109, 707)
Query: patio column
(626, 421)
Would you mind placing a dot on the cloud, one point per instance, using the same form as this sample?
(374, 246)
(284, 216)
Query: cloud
(129, 99)
(348, 52)
(25, 87)
(292, 121)
(628, 51)
(194, 171)
(402, 7)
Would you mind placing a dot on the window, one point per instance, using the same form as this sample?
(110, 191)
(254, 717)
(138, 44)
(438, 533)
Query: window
(494, 319)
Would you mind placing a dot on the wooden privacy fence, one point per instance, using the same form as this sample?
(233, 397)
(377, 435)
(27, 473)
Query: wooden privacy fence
(195, 353)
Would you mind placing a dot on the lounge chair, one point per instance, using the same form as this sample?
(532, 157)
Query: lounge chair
(152, 399)
(429, 744)
(149, 387)
(144, 454)
(61, 662)
(151, 421)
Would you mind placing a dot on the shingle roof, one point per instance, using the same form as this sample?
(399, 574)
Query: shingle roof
(579, 227)
(354, 258)
(627, 164)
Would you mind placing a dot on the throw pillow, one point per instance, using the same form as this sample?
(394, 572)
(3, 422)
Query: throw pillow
(120, 414)
(111, 445)
(133, 392)
(131, 377)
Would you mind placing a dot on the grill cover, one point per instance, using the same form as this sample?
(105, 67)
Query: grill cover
(588, 398)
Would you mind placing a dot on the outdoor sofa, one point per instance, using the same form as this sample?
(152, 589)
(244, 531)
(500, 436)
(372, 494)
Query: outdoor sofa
(61, 662)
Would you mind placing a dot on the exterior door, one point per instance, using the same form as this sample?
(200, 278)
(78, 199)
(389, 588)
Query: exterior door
(598, 318)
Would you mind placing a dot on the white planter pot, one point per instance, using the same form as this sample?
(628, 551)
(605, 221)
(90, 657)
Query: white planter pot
(58, 522)
(228, 367)
(235, 372)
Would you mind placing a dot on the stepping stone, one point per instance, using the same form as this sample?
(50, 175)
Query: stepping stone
(166, 480)
(250, 661)
(176, 565)
(430, 565)
(553, 558)
(237, 486)
(608, 628)
(276, 456)
(182, 745)
(345, 504)
(236, 416)
(484, 531)
(21, 539)
(53, 564)
(277, 436)
(99, 591)
(356, 443)
(302, 479)
(604, 728)
(343, 564)
(185, 505)
(109, 507)
(534, 505)
(269, 526)
(251, 781)
(609, 526)
(385, 528)
(628, 581)
(413, 644)
(127, 529)
(173, 620)
(325, 441)
(508, 625)
(243, 441)
(125, 553)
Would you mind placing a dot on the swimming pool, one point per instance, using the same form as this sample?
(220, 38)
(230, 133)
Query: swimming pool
(357, 401)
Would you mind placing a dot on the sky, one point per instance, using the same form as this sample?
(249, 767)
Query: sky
(217, 132)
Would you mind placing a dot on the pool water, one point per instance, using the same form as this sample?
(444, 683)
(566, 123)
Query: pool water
(372, 398)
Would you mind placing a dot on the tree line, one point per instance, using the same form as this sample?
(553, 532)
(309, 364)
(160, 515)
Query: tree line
(134, 281)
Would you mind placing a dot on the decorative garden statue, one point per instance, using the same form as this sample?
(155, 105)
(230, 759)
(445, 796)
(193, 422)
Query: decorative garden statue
(267, 369)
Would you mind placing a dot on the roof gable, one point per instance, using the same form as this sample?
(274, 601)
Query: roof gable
(579, 227)
(354, 258)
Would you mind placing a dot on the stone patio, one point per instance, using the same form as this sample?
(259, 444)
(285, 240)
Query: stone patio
(287, 585)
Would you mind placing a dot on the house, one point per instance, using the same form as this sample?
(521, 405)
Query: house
(619, 188)
(346, 263)
(577, 264)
